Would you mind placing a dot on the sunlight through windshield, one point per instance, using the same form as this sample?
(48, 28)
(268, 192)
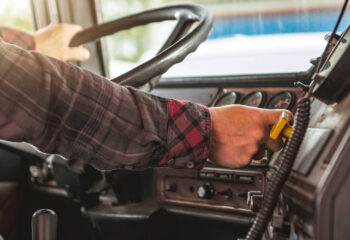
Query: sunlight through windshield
(248, 36)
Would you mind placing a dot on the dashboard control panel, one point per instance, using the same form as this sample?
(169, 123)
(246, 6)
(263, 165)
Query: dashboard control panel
(239, 190)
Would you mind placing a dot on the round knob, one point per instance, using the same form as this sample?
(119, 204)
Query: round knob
(206, 191)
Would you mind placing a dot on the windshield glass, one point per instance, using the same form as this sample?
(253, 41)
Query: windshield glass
(248, 36)
(16, 13)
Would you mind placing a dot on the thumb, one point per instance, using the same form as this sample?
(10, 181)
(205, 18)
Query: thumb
(78, 54)
(271, 116)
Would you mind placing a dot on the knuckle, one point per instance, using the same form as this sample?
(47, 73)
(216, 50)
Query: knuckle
(61, 26)
(258, 133)
(256, 114)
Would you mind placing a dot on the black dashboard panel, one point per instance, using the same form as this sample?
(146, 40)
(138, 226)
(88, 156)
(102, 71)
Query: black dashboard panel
(270, 94)
(203, 96)
(212, 188)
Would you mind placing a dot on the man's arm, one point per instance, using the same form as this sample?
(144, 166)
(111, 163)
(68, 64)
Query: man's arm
(63, 109)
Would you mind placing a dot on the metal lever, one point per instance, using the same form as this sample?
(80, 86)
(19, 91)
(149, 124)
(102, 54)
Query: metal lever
(44, 225)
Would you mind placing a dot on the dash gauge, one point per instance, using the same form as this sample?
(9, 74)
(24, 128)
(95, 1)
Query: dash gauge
(254, 99)
(227, 99)
(282, 100)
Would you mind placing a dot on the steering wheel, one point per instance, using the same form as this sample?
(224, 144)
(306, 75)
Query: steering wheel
(182, 41)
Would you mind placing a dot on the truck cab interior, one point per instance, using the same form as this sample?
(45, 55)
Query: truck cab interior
(272, 54)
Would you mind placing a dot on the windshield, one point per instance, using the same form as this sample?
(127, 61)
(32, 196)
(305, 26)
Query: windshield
(248, 36)
(16, 13)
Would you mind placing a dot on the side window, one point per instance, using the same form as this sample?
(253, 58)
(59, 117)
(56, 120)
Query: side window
(17, 14)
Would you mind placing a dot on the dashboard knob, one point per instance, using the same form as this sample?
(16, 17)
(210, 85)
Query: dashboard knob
(206, 191)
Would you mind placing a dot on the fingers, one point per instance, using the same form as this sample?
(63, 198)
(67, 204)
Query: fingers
(271, 116)
(78, 54)
(67, 29)
(274, 145)
(260, 154)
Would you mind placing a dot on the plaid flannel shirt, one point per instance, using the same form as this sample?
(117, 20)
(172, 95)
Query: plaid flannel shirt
(66, 110)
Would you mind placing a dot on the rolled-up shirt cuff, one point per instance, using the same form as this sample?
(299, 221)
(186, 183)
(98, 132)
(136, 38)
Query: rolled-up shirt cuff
(188, 135)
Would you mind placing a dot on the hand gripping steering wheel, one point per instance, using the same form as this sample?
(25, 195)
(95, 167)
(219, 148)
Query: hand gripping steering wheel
(182, 41)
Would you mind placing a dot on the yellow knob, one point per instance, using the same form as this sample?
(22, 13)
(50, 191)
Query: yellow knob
(281, 126)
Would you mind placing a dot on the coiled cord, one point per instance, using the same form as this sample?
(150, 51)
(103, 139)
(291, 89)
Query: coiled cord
(284, 168)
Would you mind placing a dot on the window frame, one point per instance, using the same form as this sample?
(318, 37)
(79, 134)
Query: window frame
(85, 13)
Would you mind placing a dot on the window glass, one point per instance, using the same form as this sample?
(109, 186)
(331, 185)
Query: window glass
(16, 13)
(248, 36)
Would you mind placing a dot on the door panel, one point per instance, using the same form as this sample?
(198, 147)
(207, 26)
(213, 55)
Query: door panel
(10, 174)
(9, 210)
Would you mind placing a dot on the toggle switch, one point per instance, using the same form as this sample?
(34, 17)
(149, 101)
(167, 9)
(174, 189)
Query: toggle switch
(281, 127)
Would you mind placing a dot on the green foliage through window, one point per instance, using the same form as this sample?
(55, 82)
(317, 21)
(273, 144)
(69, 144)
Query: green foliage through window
(16, 13)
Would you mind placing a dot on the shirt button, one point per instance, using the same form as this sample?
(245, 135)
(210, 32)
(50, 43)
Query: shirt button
(190, 164)
(171, 162)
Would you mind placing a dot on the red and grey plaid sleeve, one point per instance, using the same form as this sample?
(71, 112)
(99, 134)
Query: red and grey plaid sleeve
(63, 109)
(17, 37)
(188, 135)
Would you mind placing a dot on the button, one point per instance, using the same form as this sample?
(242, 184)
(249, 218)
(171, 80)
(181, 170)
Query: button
(224, 176)
(190, 164)
(243, 178)
(207, 175)
(171, 162)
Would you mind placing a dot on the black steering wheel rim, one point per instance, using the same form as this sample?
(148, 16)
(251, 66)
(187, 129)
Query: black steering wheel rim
(180, 43)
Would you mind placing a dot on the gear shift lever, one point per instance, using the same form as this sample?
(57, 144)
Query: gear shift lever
(44, 225)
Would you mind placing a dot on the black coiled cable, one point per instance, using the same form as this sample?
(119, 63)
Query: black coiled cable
(284, 168)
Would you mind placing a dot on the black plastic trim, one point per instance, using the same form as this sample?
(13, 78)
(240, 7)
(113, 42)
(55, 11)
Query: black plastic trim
(256, 80)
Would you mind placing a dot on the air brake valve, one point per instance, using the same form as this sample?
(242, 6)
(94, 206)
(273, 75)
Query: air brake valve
(281, 127)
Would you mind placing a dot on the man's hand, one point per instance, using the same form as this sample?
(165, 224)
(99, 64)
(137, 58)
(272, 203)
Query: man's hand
(54, 40)
(238, 132)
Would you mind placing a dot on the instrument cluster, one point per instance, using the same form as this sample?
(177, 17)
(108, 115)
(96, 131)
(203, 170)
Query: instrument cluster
(261, 99)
